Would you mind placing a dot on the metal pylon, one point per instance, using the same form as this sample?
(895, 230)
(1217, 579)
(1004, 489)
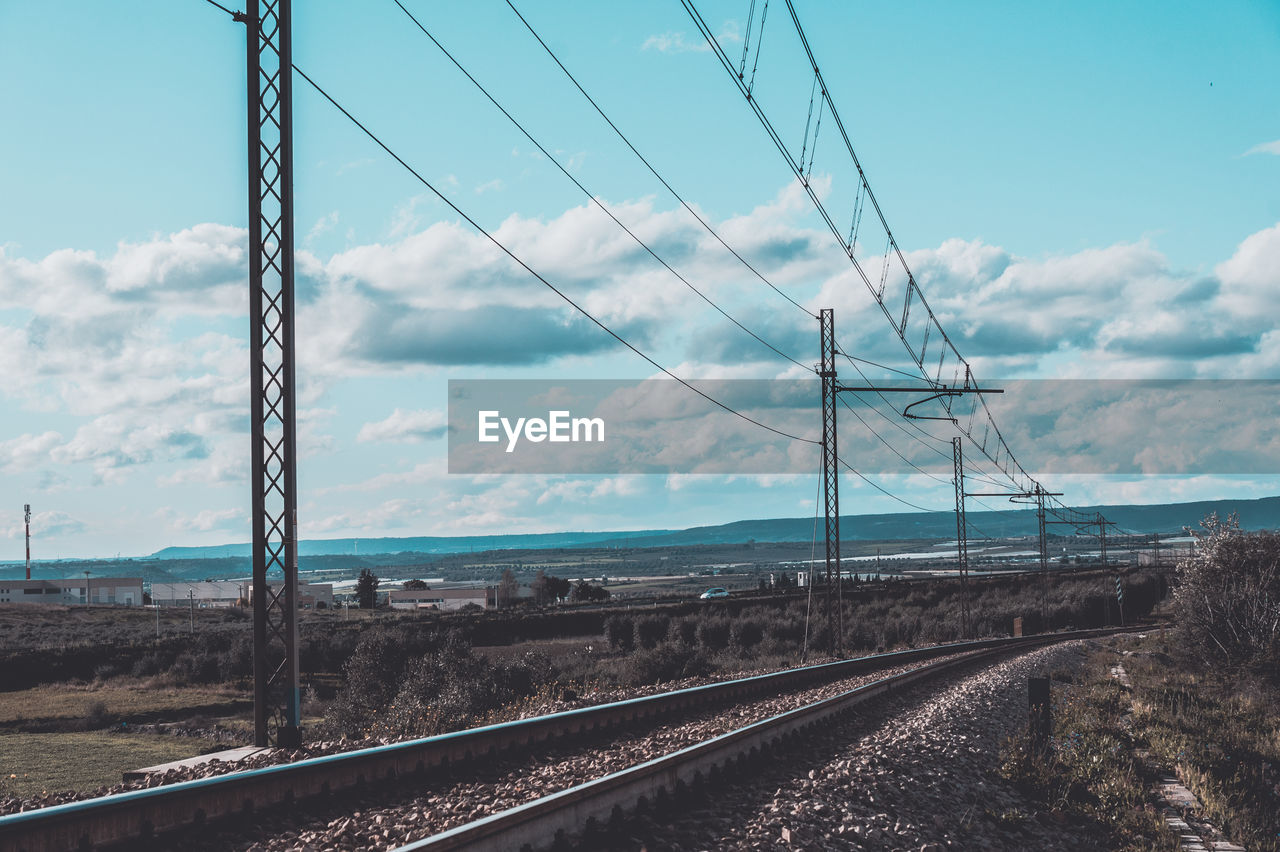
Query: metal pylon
(274, 478)
(831, 484)
(962, 538)
(1044, 559)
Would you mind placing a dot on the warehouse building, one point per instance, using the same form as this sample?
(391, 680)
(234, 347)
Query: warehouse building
(203, 594)
(443, 599)
(109, 591)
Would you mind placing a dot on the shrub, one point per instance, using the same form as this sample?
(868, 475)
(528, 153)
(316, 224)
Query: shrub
(1228, 597)
(665, 662)
(713, 633)
(620, 631)
(747, 633)
(651, 630)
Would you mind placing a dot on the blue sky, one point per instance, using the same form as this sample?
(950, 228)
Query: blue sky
(1084, 190)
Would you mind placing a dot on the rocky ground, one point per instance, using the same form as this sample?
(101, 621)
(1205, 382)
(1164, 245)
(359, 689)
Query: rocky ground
(219, 739)
(911, 775)
(915, 773)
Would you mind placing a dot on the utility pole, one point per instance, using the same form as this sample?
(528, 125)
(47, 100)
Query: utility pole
(831, 481)
(269, 57)
(1037, 493)
(830, 458)
(88, 592)
(962, 537)
(1102, 536)
(1044, 559)
(26, 520)
(191, 595)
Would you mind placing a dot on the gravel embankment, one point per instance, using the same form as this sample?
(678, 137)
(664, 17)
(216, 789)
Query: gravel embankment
(910, 775)
(373, 823)
(11, 804)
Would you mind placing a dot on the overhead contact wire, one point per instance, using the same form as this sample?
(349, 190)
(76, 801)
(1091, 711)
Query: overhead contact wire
(509, 253)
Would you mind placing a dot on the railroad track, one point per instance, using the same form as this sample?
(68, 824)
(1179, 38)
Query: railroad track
(125, 819)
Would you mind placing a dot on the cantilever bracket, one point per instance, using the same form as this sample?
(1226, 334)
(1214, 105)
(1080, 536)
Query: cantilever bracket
(938, 393)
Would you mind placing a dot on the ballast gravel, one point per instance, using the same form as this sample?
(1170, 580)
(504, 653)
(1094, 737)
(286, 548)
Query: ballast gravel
(909, 774)
(372, 823)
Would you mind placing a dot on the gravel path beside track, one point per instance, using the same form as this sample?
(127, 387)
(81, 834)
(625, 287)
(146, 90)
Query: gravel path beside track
(912, 774)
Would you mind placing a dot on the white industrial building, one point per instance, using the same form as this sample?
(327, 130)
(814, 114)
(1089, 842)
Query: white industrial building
(443, 599)
(209, 593)
(110, 591)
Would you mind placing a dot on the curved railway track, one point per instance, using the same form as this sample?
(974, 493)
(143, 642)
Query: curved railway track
(125, 819)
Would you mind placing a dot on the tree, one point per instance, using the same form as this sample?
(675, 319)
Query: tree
(539, 587)
(508, 588)
(584, 591)
(414, 585)
(367, 589)
(558, 587)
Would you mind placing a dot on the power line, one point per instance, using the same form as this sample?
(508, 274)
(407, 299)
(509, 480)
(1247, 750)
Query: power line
(885, 492)
(503, 248)
(650, 167)
(592, 197)
(875, 364)
(892, 449)
(913, 291)
(236, 16)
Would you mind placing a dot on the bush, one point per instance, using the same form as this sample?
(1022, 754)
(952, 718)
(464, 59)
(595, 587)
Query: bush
(651, 630)
(620, 631)
(665, 662)
(684, 631)
(747, 633)
(1228, 595)
(713, 633)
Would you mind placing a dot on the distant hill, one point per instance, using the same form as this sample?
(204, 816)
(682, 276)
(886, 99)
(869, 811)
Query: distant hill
(1165, 518)
(417, 544)
(231, 560)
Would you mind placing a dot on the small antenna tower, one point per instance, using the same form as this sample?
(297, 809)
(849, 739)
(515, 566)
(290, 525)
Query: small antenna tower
(26, 519)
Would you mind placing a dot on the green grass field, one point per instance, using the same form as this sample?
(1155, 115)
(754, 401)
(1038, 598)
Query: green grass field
(34, 763)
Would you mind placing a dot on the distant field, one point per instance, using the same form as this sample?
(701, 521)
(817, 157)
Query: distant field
(34, 763)
(119, 700)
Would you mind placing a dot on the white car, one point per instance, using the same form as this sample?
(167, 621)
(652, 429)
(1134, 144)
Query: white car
(711, 594)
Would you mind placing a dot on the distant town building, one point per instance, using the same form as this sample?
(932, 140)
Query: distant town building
(111, 591)
(443, 599)
(310, 595)
(205, 594)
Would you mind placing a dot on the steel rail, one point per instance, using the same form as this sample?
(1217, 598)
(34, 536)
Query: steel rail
(141, 814)
(546, 821)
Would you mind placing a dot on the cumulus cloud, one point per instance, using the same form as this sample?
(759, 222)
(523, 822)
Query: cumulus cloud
(206, 520)
(46, 525)
(409, 426)
(142, 350)
(26, 451)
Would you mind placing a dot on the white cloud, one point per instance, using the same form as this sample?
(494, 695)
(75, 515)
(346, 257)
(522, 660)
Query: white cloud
(1265, 148)
(674, 42)
(410, 426)
(27, 451)
(206, 520)
(45, 525)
